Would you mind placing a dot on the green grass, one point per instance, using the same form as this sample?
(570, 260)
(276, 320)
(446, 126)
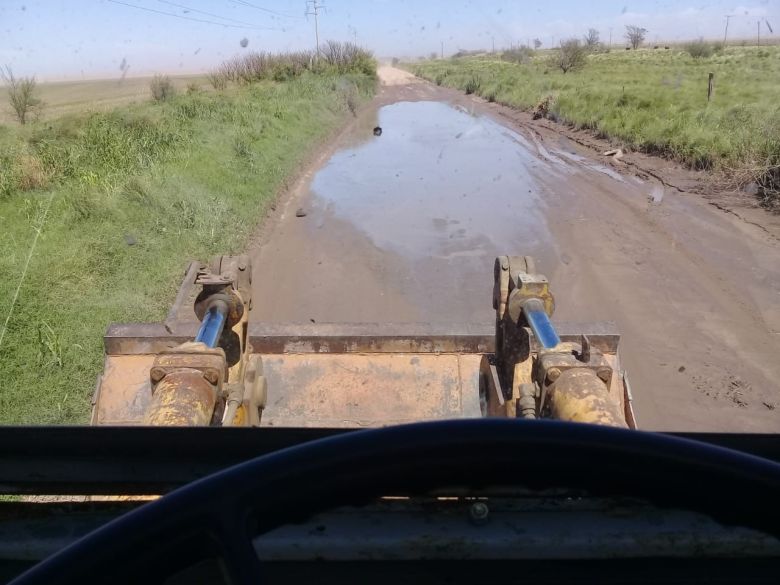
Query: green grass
(651, 100)
(132, 194)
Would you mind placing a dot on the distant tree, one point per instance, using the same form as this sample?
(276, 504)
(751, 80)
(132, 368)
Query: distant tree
(433, 56)
(537, 43)
(592, 38)
(21, 93)
(635, 35)
(571, 55)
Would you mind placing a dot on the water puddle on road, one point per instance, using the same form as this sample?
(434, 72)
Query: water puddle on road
(405, 226)
(437, 183)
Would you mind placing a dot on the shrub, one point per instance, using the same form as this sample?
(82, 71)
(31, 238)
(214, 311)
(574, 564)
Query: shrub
(570, 56)
(699, 49)
(162, 88)
(257, 66)
(192, 87)
(543, 108)
(217, 80)
(464, 53)
(521, 54)
(349, 58)
(21, 94)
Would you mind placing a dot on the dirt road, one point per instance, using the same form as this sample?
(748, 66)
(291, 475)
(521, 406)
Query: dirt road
(404, 227)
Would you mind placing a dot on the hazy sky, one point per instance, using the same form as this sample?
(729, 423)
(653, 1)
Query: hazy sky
(57, 39)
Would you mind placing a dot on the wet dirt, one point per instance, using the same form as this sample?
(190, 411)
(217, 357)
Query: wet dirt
(404, 227)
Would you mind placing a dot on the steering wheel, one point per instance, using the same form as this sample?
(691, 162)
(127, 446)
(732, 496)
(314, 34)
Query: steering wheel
(220, 514)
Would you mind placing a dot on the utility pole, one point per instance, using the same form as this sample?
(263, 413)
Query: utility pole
(493, 40)
(313, 7)
(726, 32)
(610, 37)
(758, 33)
(442, 49)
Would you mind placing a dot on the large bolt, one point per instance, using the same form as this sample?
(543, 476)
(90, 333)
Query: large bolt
(212, 376)
(156, 374)
(553, 374)
(479, 513)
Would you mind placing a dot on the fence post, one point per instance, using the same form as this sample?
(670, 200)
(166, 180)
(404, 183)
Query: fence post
(710, 86)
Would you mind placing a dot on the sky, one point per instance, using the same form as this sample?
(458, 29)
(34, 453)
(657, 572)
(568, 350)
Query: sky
(87, 39)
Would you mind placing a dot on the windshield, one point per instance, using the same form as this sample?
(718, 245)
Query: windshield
(371, 160)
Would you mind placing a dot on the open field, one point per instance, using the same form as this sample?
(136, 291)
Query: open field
(71, 97)
(100, 211)
(651, 100)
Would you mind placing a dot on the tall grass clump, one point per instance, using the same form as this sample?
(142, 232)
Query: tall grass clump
(472, 85)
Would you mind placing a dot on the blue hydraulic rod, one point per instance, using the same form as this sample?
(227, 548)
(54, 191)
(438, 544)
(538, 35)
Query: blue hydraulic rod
(540, 323)
(213, 323)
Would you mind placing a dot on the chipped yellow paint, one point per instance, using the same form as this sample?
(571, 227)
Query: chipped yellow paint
(182, 398)
(578, 395)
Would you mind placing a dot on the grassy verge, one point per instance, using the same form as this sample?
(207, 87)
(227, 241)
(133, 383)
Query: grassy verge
(118, 201)
(651, 100)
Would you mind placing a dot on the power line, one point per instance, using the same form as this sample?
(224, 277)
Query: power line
(268, 10)
(206, 13)
(187, 17)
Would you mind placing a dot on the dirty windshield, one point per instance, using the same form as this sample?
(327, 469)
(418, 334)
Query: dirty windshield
(337, 213)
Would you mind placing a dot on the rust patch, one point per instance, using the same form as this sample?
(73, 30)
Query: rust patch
(182, 398)
(311, 390)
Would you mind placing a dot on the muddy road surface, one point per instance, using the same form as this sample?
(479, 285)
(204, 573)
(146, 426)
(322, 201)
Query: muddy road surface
(404, 227)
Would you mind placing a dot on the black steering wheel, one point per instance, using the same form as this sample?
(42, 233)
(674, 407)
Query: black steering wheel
(219, 515)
